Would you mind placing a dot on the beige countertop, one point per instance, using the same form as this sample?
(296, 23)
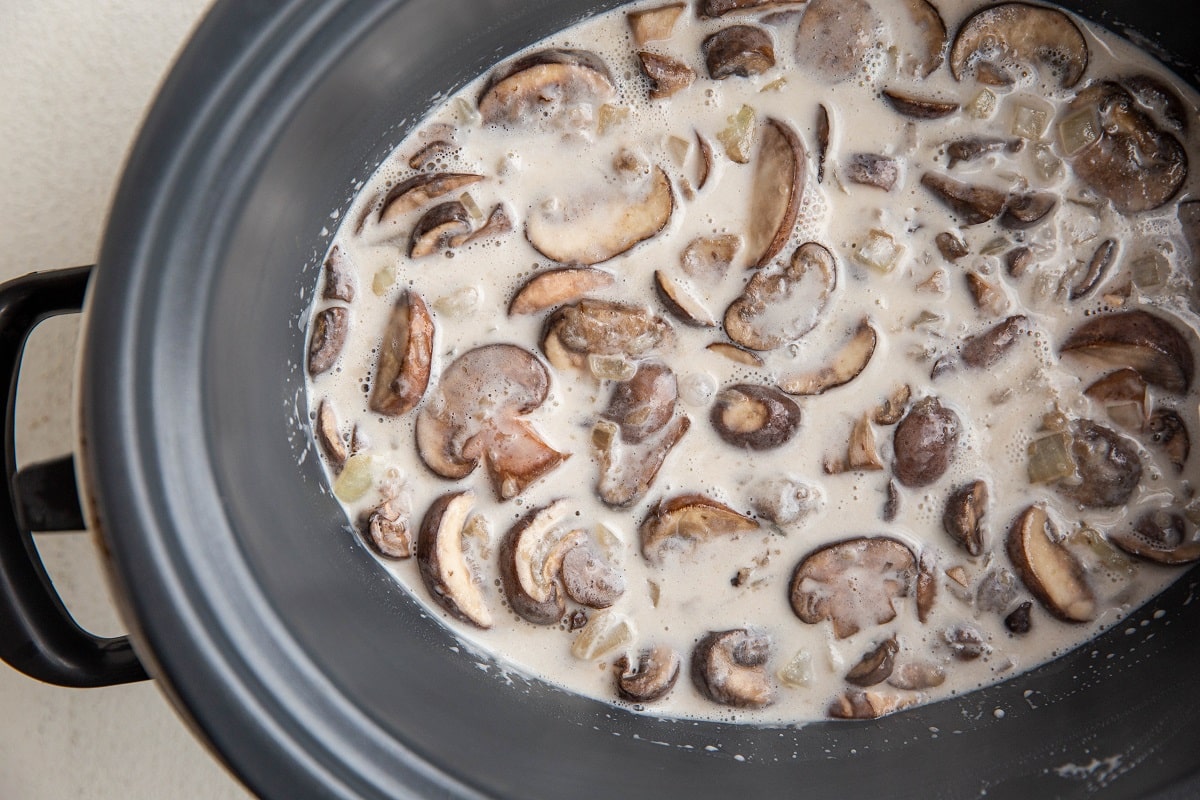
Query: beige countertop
(75, 80)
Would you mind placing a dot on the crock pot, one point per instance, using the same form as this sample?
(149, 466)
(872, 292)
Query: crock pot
(275, 632)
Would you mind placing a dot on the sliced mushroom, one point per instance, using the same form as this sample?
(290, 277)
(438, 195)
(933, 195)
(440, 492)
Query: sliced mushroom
(966, 643)
(1138, 339)
(925, 442)
(554, 287)
(823, 133)
(654, 24)
(783, 500)
(1020, 620)
(420, 190)
(628, 470)
(780, 171)
(755, 417)
(590, 579)
(730, 668)
(719, 8)
(687, 519)
(1018, 261)
(601, 327)
(738, 51)
(857, 704)
(542, 84)
(852, 583)
(1159, 536)
(405, 358)
(876, 665)
(738, 355)
(1132, 162)
(1123, 389)
(892, 409)
(645, 403)
(437, 227)
(996, 591)
(844, 365)
(1049, 570)
(651, 677)
(1169, 432)
(1026, 210)
(386, 529)
(1097, 269)
(972, 148)
(926, 42)
(984, 349)
(531, 562)
(917, 675)
(667, 75)
(782, 304)
(587, 230)
(475, 415)
(330, 328)
(891, 505)
(869, 169)
(329, 435)
(339, 276)
(926, 584)
(430, 153)
(442, 563)
(972, 204)
(1160, 98)
(708, 258)
(498, 223)
(986, 295)
(963, 517)
(1107, 464)
(682, 304)
(834, 38)
(1008, 36)
(919, 107)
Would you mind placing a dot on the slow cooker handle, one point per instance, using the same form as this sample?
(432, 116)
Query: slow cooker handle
(38, 636)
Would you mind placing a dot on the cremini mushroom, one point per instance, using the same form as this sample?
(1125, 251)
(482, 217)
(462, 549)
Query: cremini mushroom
(531, 561)
(475, 415)
(329, 435)
(329, 331)
(437, 227)
(876, 665)
(645, 403)
(973, 147)
(963, 518)
(782, 304)
(844, 365)
(683, 304)
(553, 287)
(339, 276)
(972, 204)
(420, 190)
(1107, 466)
(385, 528)
(1023, 211)
(1048, 569)
(780, 171)
(682, 521)
(666, 75)
(654, 24)
(835, 37)
(1138, 339)
(1097, 269)
(708, 258)
(738, 51)
(1001, 39)
(542, 85)
(442, 563)
(870, 169)
(589, 578)
(852, 583)
(627, 471)
(925, 442)
(910, 105)
(730, 668)
(1160, 536)
(983, 350)
(1169, 433)
(405, 357)
(603, 328)
(650, 677)
(719, 8)
(755, 417)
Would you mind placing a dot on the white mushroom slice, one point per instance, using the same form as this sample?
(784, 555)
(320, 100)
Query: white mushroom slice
(420, 190)
(778, 191)
(783, 304)
(587, 230)
(531, 558)
(844, 366)
(679, 300)
(730, 668)
(921, 45)
(1049, 570)
(1005, 37)
(543, 84)
(653, 24)
(442, 563)
(405, 358)
(554, 287)
(686, 519)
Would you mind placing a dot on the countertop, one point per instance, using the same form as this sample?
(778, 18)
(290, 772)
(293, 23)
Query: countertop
(75, 80)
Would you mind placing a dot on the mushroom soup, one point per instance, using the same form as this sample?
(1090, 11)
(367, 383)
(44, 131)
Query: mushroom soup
(776, 361)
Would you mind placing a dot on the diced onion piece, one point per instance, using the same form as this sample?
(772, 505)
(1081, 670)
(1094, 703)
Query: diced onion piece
(605, 632)
(1050, 458)
(738, 137)
(1048, 165)
(983, 105)
(1078, 130)
(611, 367)
(611, 116)
(356, 478)
(1030, 122)
(1151, 270)
(797, 672)
(879, 251)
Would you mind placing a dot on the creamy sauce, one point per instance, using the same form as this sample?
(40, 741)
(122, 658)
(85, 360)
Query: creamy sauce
(918, 302)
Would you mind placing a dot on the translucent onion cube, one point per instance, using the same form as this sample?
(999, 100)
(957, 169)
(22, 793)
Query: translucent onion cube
(1049, 166)
(983, 105)
(1078, 130)
(1151, 270)
(879, 251)
(383, 280)
(1030, 122)
(1108, 555)
(797, 672)
(680, 149)
(460, 302)
(611, 116)
(738, 136)
(1128, 415)
(356, 478)
(611, 368)
(604, 633)
(1050, 458)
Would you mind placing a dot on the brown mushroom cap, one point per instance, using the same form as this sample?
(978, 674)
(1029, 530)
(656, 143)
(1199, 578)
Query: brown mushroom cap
(405, 358)
(667, 76)
(544, 83)
(972, 204)
(1160, 536)
(984, 349)
(531, 558)
(780, 172)
(1049, 570)
(645, 403)
(437, 227)
(782, 304)
(685, 520)
(1138, 339)
(628, 470)
(852, 583)
(474, 415)
(1169, 432)
(420, 190)
(739, 50)
(339, 276)
(846, 364)
(553, 287)
(605, 328)
(963, 517)
(329, 331)
(729, 667)
(1007, 36)
(834, 37)
(441, 561)
(386, 530)
(590, 579)
(756, 417)
(876, 665)
(649, 679)
(1107, 464)
(1132, 162)
(910, 105)
(924, 442)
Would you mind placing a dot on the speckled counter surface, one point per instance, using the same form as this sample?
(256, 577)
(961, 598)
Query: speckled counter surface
(75, 80)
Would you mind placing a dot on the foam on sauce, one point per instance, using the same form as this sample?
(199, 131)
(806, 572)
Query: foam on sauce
(919, 303)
